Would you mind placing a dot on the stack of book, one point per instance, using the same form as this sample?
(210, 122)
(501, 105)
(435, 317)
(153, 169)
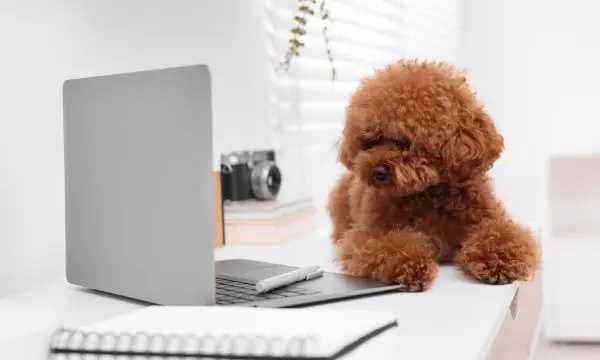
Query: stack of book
(260, 222)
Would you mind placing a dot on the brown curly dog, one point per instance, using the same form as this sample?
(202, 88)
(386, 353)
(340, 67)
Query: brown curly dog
(418, 145)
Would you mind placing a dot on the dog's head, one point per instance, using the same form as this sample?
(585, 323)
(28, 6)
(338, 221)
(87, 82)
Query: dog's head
(416, 124)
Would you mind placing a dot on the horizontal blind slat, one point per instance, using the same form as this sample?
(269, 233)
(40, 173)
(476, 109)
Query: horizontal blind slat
(338, 30)
(343, 51)
(316, 90)
(365, 15)
(309, 68)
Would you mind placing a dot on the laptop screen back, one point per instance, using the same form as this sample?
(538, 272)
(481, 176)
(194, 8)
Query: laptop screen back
(139, 187)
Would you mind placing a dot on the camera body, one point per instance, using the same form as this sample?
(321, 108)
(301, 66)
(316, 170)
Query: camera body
(250, 175)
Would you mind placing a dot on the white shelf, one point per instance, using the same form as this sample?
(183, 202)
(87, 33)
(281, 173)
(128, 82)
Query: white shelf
(574, 195)
(573, 288)
(572, 247)
(581, 148)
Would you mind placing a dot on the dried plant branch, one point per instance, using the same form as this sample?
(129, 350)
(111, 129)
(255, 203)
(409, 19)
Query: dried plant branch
(298, 30)
(326, 19)
(304, 10)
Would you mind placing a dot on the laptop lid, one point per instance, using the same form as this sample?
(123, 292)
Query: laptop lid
(139, 188)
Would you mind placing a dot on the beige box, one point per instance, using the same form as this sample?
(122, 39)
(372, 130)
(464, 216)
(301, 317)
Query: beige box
(218, 206)
(264, 222)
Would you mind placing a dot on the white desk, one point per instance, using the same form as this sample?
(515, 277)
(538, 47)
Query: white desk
(456, 319)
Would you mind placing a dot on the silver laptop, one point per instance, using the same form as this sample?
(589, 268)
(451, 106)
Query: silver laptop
(139, 198)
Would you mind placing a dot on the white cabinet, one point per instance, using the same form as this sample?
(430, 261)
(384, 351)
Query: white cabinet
(572, 248)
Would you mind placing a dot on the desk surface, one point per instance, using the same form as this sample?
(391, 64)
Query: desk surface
(457, 318)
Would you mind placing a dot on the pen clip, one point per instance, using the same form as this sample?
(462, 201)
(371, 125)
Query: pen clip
(315, 274)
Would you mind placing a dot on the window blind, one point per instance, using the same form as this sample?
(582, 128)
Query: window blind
(306, 108)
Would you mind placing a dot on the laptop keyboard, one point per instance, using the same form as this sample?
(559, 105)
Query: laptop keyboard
(229, 292)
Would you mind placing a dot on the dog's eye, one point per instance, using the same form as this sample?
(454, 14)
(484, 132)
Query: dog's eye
(404, 144)
(370, 143)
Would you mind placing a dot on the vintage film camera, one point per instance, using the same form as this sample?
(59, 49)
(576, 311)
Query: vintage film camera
(250, 175)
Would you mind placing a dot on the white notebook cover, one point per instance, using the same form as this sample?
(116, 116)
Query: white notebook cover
(250, 332)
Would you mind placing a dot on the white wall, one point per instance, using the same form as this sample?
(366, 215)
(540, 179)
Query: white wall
(42, 43)
(514, 70)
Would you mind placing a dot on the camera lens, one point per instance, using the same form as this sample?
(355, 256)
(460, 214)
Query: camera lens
(266, 180)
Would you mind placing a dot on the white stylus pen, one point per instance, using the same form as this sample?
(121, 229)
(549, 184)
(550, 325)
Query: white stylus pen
(291, 277)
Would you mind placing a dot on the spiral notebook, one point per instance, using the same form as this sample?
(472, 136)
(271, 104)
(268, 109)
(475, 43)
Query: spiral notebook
(223, 333)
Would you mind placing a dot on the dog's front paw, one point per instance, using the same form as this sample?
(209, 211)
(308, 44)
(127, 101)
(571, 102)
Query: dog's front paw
(500, 253)
(401, 257)
(416, 274)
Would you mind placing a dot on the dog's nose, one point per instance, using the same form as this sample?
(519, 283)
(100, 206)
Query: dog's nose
(379, 173)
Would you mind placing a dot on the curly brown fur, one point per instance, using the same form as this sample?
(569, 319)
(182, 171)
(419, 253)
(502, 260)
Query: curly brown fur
(417, 145)
(413, 265)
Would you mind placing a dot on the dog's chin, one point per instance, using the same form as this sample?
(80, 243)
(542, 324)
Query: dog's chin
(406, 179)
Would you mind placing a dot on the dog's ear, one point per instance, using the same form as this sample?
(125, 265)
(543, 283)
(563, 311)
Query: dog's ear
(344, 155)
(472, 149)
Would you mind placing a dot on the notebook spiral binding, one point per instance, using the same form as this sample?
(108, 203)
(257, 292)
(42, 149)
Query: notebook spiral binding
(69, 342)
